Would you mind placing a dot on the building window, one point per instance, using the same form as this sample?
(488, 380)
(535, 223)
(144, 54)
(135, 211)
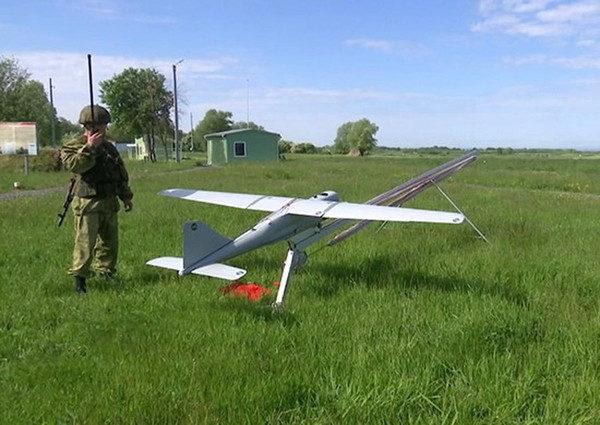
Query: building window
(239, 149)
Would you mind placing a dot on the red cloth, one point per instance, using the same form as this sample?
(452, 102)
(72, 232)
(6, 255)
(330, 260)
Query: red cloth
(252, 291)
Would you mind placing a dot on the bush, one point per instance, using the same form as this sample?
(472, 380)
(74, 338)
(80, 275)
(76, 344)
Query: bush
(304, 148)
(11, 162)
(48, 159)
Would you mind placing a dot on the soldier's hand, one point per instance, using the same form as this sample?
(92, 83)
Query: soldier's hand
(128, 204)
(94, 139)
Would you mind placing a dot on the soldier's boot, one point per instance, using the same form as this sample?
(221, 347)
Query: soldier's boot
(80, 287)
(106, 274)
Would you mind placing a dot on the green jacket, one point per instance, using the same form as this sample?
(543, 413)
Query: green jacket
(100, 171)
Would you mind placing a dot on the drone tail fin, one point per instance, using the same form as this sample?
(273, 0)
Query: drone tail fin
(199, 241)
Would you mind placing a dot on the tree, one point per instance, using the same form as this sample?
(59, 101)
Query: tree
(362, 136)
(140, 106)
(23, 99)
(213, 122)
(304, 147)
(341, 144)
(115, 132)
(239, 125)
(66, 130)
(186, 140)
(12, 79)
(285, 146)
(357, 136)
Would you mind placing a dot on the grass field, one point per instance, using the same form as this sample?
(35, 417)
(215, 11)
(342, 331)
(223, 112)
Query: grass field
(41, 180)
(408, 324)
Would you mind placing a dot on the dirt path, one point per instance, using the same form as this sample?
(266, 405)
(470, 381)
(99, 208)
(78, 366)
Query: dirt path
(18, 194)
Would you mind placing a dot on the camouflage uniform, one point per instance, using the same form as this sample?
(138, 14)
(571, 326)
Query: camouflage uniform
(101, 180)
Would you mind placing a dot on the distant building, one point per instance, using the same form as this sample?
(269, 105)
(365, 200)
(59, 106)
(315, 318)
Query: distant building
(241, 145)
(136, 150)
(140, 152)
(123, 147)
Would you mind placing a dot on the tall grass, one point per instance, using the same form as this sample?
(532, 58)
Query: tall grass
(405, 323)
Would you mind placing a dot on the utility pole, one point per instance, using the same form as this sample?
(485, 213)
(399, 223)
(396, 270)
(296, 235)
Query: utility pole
(247, 102)
(53, 117)
(191, 132)
(177, 149)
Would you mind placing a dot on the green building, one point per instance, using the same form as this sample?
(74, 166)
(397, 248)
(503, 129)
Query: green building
(241, 145)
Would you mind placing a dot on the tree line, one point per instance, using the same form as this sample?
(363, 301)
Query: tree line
(140, 106)
(24, 100)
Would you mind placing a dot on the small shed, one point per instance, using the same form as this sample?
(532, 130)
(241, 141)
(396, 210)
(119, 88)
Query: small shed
(241, 145)
(122, 146)
(139, 150)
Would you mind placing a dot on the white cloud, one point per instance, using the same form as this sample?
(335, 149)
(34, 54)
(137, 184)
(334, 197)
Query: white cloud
(571, 25)
(578, 62)
(573, 62)
(116, 10)
(589, 82)
(106, 9)
(380, 45)
(389, 47)
(314, 95)
(496, 23)
(538, 18)
(489, 7)
(527, 60)
(579, 12)
(527, 6)
(534, 29)
(587, 43)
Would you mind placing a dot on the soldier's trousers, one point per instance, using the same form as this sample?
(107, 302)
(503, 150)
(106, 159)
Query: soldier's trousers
(96, 235)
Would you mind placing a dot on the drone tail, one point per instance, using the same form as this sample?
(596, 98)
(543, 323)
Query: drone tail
(200, 241)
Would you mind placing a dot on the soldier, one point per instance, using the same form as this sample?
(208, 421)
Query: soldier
(101, 180)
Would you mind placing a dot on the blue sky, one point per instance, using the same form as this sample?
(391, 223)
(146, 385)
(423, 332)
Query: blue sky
(462, 73)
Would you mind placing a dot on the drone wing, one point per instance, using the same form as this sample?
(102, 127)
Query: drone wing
(352, 211)
(403, 193)
(229, 199)
(314, 207)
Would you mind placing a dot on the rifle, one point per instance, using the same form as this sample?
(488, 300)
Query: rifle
(68, 200)
(70, 194)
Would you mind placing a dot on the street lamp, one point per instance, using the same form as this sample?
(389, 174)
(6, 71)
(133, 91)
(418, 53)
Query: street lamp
(177, 150)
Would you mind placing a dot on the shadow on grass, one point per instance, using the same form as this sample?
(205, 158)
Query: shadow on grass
(263, 310)
(385, 271)
(119, 283)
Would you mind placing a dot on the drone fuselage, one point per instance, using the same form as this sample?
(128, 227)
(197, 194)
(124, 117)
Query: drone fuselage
(276, 227)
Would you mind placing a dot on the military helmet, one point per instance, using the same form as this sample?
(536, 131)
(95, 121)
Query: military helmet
(101, 115)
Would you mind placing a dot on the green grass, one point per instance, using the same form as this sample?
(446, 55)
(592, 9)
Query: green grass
(40, 180)
(409, 323)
